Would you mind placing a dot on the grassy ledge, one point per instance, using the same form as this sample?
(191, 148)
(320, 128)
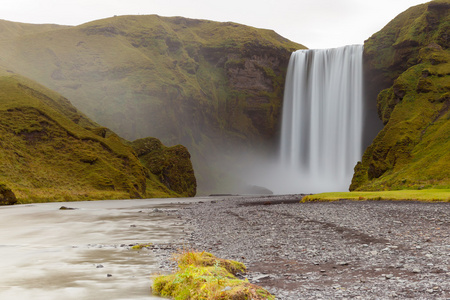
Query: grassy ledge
(201, 275)
(429, 195)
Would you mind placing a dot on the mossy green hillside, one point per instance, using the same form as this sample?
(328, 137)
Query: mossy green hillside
(49, 151)
(201, 275)
(206, 85)
(395, 48)
(413, 149)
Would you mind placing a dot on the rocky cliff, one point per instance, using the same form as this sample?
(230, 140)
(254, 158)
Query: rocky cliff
(213, 87)
(408, 63)
(49, 151)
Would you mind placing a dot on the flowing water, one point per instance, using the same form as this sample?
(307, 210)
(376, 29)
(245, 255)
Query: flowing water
(322, 119)
(48, 253)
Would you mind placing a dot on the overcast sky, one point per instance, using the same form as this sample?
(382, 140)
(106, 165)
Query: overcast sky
(313, 23)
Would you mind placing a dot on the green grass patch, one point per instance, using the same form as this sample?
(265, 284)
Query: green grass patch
(140, 246)
(429, 195)
(201, 275)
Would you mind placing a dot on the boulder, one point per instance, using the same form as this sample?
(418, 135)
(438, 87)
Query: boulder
(7, 197)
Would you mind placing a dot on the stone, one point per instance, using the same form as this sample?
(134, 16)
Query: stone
(7, 197)
(66, 208)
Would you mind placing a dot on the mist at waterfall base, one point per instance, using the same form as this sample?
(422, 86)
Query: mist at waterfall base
(322, 123)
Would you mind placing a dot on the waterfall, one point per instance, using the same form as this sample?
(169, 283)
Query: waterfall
(322, 120)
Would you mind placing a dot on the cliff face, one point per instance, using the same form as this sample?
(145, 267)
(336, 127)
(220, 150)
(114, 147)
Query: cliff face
(213, 87)
(408, 62)
(49, 151)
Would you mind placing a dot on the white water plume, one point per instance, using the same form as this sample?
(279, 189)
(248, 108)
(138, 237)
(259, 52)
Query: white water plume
(322, 120)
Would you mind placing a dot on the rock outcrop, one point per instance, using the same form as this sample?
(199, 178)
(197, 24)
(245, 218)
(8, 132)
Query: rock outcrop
(408, 63)
(171, 165)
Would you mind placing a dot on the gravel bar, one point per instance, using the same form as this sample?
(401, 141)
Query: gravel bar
(326, 250)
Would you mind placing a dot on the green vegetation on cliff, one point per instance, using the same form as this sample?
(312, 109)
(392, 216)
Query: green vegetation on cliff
(410, 59)
(207, 85)
(49, 151)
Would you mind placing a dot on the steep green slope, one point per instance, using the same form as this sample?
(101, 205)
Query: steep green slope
(412, 56)
(51, 152)
(213, 87)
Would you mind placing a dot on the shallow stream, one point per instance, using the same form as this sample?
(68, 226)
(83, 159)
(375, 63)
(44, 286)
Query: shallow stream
(84, 253)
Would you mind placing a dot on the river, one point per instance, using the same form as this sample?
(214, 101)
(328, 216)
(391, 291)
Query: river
(84, 253)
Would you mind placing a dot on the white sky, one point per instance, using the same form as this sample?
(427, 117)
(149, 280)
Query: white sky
(313, 23)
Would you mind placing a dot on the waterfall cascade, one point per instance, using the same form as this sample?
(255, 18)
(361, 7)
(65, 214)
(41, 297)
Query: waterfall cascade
(322, 119)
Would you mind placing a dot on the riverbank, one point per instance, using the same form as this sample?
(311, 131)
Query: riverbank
(341, 249)
(427, 195)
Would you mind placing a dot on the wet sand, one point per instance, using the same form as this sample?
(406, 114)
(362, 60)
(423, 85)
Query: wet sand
(344, 249)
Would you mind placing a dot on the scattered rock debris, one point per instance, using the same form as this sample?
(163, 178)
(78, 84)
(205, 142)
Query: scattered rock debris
(342, 249)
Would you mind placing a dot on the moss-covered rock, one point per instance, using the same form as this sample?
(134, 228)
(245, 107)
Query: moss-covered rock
(7, 196)
(201, 275)
(171, 165)
(409, 60)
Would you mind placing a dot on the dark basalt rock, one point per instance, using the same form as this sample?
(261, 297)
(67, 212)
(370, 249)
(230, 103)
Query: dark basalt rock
(7, 197)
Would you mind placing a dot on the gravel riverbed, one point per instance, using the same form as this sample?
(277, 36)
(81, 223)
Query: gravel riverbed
(325, 250)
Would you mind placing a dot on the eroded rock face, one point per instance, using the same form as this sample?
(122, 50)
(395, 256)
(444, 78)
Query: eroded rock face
(408, 71)
(255, 75)
(7, 197)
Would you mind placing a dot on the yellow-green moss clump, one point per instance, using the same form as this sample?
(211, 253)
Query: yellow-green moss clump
(203, 276)
(49, 151)
(412, 56)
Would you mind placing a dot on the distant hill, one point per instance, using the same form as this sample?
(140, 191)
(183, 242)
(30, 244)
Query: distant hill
(214, 87)
(408, 66)
(49, 151)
